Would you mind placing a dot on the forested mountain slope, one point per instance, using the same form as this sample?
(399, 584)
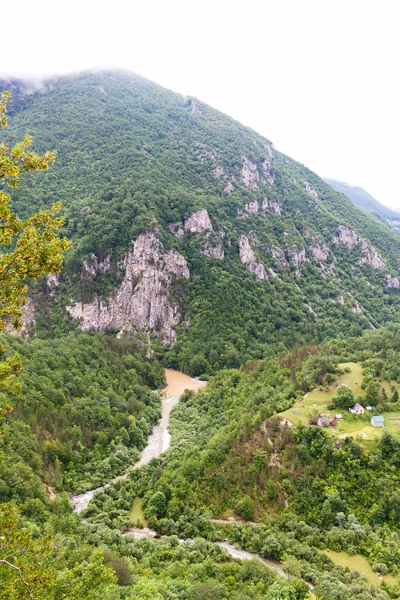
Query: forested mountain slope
(191, 226)
(365, 201)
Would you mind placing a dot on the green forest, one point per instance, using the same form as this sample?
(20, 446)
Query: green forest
(142, 231)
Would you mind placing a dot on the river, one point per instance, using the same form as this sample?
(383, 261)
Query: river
(160, 438)
(158, 443)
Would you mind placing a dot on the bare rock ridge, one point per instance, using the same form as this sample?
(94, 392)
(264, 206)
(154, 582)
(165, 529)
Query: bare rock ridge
(251, 175)
(249, 259)
(93, 265)
(143, 299)
(349, 238)
(252, 208)
(199, 223)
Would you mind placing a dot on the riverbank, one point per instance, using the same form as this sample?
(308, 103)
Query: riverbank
(160, 438)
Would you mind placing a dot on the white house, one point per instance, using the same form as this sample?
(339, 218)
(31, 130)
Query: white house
(378, 421)
(357, 409)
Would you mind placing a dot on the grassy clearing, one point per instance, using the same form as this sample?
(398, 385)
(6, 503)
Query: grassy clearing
(137, 514)
(350, 425)
(358, 563)
(319, 401)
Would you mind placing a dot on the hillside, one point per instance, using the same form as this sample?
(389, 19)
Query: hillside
(188, 225)
(365, 201)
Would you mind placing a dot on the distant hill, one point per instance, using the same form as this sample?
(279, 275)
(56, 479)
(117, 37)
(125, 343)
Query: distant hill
(365, 201)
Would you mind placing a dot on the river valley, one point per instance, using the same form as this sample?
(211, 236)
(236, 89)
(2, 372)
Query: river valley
(158, 443)
(159, 439)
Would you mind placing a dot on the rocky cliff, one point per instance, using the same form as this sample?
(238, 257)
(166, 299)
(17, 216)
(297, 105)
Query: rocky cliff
(144, 298)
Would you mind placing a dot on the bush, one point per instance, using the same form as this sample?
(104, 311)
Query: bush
(245, 508)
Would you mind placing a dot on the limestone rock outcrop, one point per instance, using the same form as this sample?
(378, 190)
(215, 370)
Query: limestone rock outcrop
(198, 222)
(310, 190)
(279, 257)
(319, 250)
(143, 300)
(249, 259)
(28, 321)
(345, 236)
(250, 174)
(391, 282)
(93, 266)
(272, 206)
(212, 247)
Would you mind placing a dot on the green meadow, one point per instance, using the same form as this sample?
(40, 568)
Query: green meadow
(355, 426)
(136, 513)
(358, 563)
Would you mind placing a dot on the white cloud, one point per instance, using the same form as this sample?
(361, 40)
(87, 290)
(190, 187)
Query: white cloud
(317, 78)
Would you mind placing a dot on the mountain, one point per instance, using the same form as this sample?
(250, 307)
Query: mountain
(192, 227)
(197, 245)
(365, 201)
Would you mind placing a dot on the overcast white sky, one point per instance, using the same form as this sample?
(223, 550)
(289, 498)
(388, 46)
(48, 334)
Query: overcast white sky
(319, 78)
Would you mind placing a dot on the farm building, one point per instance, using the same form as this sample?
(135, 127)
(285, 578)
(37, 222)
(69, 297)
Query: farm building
(357, 409)
(378, 422)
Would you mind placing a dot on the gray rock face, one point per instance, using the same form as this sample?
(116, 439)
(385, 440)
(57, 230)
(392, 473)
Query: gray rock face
(297, 254)
(250, 208)
(346, 237)
(370, 256)
(349, 238)
(391, 282)
(272, 206)
(310, 190)
(213, 248)
(143, 300)
(52, 283)
(177, 229)
(218, 171)
(249, 259)
(320, 250)
(228, 188)
(279, 257)
(267, 172)
(198, 222)
(249, 174)
(194, 107)
(28, 321)
(268, 150)
(94, 266)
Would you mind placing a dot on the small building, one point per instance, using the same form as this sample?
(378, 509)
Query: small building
(338, 416)
(378, 421)
(369, 407)
(357, 409)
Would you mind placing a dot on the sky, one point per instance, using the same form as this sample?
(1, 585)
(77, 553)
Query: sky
(319, 78)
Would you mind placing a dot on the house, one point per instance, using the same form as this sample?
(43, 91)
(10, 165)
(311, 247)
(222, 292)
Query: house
(378, 422)
(338, 416)
(357, 409)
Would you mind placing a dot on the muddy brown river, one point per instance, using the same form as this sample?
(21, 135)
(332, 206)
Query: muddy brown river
(160, 438)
